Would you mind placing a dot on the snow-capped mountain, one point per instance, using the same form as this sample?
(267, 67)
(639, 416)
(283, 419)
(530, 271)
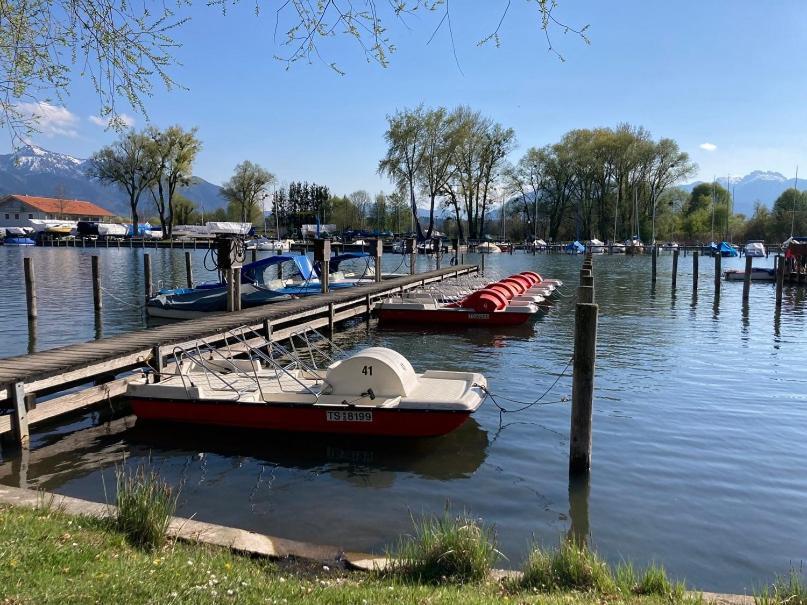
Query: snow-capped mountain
(760, 185)
(32, 170)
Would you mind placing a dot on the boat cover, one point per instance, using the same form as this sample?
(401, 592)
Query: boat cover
(575, 247)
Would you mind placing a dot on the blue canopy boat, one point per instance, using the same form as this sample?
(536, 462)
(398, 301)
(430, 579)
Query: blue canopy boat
(574, 248)
(262, 282)
(725, 249)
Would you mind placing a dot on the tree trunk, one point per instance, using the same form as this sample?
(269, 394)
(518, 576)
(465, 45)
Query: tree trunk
(133, 205)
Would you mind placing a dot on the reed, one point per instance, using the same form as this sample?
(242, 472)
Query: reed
(445, 549)
(145, 505)
(568, 567)
(790, 590)
(654, 581)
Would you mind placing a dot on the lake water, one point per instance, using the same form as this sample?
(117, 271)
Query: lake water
(700, 417)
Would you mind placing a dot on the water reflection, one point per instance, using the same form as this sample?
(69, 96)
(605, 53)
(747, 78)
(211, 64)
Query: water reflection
(372, 462)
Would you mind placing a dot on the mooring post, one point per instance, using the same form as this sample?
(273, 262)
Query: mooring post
(147, 275)
(455, 246)
(30, 286)
(377, 251)
(254, 253)
(483, 262)
(585, 292)
(718, 259)
(780, 279)
(587, 280)
(437, 249)
(188, 269)
(585, 353)
(694, 270)
(230, 277)
(674, 268)
(653, 264)
(322, 255)
(157, 362)
(19, 417)
(747, 277)
(330, 317)
(236, 288)
(411, 250)
(96, 285)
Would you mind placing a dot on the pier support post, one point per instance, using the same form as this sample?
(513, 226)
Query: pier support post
(147, 275)
(19, 416)
(322, 255)
(254, 252)
(587, 280)
(236, 288)
(585, 352)
(653, 264)
(483, 262)
(377, 251)
(747, 277)
(437, 246)
(780, 279)
(30, 286)
(229, 276)
(96, 285)
(694, 270)
(330, 318)
(718, 259)
(674, 268)
(157, 362)
(188, 269)
(411, 250)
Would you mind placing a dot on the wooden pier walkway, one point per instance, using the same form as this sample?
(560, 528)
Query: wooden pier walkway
(101, 362)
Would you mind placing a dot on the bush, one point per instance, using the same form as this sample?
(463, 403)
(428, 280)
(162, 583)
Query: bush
(145, 505)
(446, 549)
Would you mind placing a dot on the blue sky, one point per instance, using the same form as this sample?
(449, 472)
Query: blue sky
(724, 73)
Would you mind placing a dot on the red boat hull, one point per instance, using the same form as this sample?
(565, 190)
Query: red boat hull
(465, 317)
(301, 419)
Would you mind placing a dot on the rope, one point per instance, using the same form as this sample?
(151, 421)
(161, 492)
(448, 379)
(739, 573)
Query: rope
(120, 300)
(527, 404)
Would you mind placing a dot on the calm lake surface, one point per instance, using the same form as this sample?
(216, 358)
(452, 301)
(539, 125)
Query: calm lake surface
(699, 427)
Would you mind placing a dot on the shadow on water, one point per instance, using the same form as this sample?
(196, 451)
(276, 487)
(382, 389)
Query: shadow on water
(369, 461)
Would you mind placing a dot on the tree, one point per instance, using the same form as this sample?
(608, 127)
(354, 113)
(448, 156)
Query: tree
(361, 201)
(185, 211)
(440, 137)
(126, 163)
(789, 214)
(172, 152)
(405, 150)
(380, 212)
(245, 191)
(398, 211)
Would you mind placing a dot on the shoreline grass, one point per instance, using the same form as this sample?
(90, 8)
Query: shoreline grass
(47, 556)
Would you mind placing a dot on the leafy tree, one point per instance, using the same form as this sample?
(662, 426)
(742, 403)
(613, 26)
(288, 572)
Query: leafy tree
(127, 164)
(379, 213)
(172, 152)
(398, 211)
(789, 214)
(246, 190)
(185, 212)
(361, 201)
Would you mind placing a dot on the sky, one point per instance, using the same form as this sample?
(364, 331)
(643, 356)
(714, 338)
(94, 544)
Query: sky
(723, 78)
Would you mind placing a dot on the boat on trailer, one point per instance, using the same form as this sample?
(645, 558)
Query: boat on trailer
(273, 387)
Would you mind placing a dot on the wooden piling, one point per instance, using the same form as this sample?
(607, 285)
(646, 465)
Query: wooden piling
(411, 250)
(19, 419)
(147, 275)
(236, 288)
(780, 279)
(585, 293)
(188, 269)
(229, 277)
(694, 270)
(674, 268)
(718, 259)
(585, 352)
(587, 280)
(654, 263)
(437, 247)
(96, 285)
(254, 252)
(30, 286)
(322, 255)
(747, 277)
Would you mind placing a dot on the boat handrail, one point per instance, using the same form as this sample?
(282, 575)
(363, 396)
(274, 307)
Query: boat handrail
(179, 352)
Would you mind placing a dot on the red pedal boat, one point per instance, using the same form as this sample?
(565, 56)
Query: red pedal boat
(373, 392)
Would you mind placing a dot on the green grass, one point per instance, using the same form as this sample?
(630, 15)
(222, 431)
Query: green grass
(568, 567)
(145, 505)
(786, 590)
(445, 549)
(47, 557)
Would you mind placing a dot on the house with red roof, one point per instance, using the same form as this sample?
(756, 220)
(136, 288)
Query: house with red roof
(19, 210)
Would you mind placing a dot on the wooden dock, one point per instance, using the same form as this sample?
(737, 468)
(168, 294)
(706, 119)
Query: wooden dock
(103, 368)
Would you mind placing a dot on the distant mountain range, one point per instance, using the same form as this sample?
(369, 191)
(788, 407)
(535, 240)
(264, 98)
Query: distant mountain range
(760, 185)
(33, 170)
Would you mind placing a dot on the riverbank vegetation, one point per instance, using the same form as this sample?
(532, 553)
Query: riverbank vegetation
(50, 557)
